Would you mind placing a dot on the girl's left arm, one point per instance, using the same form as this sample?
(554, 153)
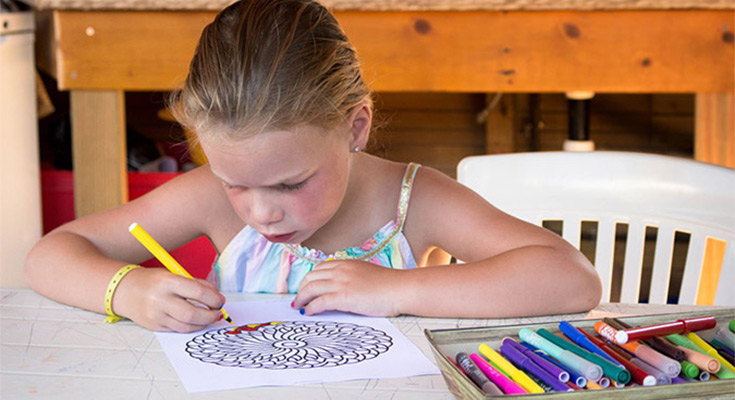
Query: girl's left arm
(512, 268)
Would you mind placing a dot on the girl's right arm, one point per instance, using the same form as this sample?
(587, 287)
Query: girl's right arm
(75, 263)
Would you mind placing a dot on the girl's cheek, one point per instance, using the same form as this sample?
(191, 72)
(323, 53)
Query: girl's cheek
(239, 204)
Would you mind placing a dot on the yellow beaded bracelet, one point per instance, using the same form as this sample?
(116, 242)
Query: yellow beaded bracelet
(111, 291)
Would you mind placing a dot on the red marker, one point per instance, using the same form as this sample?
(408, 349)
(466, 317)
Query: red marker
(679, 326)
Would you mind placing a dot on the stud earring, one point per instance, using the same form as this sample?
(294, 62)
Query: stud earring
(356, 149)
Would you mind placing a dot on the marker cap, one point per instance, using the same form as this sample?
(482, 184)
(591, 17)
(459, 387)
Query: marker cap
(698, 324)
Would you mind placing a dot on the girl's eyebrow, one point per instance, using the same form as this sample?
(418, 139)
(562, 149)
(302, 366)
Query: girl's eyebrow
(301, 176)
(221, 178)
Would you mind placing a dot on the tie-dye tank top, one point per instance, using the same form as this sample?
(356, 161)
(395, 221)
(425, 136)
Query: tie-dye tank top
(250, 263)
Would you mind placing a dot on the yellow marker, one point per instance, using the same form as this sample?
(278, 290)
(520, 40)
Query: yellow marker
(162, 255)
(710, 350)
(517, 375)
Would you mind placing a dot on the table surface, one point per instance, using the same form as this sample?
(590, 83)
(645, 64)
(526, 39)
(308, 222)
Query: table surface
(49, 350)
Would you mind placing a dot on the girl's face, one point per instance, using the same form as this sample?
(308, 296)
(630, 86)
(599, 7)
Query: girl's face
(284, 184)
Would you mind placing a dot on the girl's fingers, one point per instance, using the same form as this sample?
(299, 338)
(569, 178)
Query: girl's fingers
(326, 302)
(190, 314)
(194, 290)
(308, 291)
(171, 324)
(213, 287)
(325, 265)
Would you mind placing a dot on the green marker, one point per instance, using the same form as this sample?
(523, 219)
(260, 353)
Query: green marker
(612, 371)
(684, 341)
(732, 325)
(689, 369)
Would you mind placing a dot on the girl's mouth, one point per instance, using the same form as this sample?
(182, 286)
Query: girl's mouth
(280, 238)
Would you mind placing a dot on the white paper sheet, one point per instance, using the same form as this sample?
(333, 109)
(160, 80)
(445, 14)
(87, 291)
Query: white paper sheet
(329, 347)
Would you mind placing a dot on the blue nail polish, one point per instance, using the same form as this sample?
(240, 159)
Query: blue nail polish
(302, 311)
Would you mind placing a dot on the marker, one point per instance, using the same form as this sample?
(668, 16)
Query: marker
(658, 344)
(166, 259)
(519, 359)
(517, 375)
(689, 369)
(661, 362)
(593, 386)
(581, 339)
(583, 367)
(709, 350)
(579, 380)
(474, 373)
(661, 345)
(695, 354)
(725, 337)
(679, 326)
(637, 374)
(731, 325)
(661, 377)
(611, 370)
(503, 382)
(721, 346)
(560, 374)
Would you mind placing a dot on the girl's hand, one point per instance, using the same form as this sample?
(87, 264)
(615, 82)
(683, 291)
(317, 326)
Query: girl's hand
(350, 286)
(158, 300)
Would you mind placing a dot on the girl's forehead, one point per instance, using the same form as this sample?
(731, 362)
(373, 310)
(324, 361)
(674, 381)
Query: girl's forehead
(272, 156)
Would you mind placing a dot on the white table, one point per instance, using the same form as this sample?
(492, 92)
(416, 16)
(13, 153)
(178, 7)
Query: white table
(52, 351)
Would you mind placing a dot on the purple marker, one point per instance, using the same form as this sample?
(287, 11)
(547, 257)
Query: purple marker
(552, 369)
(517, 358)
(578, 380)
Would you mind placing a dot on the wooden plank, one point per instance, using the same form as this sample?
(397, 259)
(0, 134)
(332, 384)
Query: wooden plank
(384, 5)
(126, 50)
(479, 51)
(429, 101)
(423, 137)
(714, 128)
(500, 127)
(555, 51)
(432, 120)
(100, 173)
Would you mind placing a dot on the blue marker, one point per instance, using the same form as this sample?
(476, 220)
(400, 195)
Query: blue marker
(579, 338)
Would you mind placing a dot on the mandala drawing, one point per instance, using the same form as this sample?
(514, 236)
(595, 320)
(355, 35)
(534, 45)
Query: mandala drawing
(289, 345)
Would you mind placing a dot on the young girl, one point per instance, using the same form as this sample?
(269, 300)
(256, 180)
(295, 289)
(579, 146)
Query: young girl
(293, 204)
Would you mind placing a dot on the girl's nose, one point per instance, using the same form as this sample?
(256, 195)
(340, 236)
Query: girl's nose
(264, 211)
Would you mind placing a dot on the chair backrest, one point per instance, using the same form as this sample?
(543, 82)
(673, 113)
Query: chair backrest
(644, 191)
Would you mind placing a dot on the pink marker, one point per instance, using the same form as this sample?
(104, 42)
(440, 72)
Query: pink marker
(503, 382)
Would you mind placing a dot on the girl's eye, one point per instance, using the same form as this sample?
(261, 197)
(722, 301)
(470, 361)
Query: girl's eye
(292, 186)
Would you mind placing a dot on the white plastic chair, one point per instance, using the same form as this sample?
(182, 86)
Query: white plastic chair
(641, 190)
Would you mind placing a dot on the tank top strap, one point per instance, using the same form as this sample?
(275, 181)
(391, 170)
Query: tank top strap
(405, 198)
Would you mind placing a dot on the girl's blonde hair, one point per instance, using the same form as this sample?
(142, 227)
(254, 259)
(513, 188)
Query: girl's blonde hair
(269, 64)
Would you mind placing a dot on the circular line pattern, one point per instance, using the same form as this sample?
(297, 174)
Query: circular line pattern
(290, 345)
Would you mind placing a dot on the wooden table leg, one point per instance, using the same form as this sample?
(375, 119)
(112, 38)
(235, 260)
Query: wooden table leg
(98, 150)
(714, 128)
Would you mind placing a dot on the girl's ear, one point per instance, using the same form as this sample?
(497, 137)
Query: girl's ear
(360, 120)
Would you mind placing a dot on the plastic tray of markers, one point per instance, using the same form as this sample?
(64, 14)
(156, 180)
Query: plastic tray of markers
(447, 343)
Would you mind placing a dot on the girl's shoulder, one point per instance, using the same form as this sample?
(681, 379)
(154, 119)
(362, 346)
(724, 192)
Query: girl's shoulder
(440, 205)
